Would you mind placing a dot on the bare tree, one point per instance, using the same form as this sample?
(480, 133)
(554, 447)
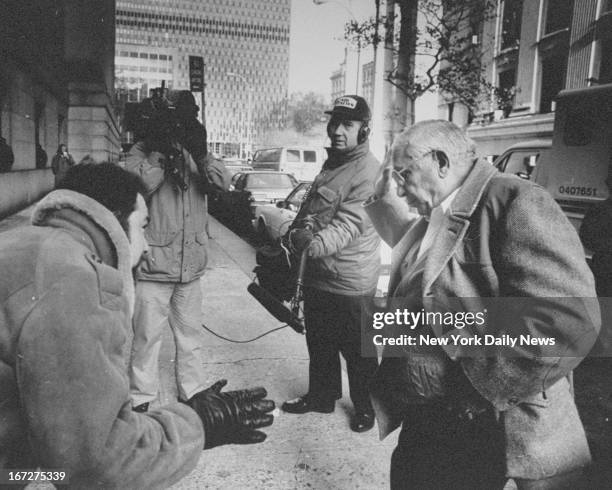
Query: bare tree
(445, 36)
(306, 111)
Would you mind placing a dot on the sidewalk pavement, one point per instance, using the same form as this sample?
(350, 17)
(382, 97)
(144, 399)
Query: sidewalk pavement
(316, 451)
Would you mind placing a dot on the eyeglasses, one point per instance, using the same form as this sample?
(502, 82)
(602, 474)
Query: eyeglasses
(401, 176)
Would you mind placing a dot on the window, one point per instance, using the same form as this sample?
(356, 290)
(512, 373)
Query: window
(554, 51)
(133, 54)
(605, 67)
(144, 55)
(293, 156)
(268, 155)
(558, 15)
(521, 162)
(511, 24)
(298, 194)
(267, 180)
(310, 156)
(553, 80)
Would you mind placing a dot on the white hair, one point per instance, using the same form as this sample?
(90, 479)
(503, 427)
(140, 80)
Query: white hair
(439, 135)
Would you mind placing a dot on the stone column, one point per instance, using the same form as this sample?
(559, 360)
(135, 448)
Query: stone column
(90, 52)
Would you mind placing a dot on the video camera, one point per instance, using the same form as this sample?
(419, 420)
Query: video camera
(162, 122)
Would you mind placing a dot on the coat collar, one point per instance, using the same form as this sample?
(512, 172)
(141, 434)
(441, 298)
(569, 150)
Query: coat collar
(457, 221)
(336, 159)
(104, 235)
(451, 232)
(471, 191)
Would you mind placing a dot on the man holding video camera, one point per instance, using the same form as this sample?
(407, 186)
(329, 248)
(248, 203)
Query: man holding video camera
(171, 158)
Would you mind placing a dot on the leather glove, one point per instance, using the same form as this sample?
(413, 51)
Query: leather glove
(232, 417)
(300, 239)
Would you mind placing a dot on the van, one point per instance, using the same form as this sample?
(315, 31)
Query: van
(303, 162)
(575, 164)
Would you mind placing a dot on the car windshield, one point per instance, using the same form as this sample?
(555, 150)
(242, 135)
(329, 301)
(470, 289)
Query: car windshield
(297, 195)
(261, 181)
(268, 155)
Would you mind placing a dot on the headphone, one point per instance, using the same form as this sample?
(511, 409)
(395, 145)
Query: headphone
(364, 132)
(362, 135)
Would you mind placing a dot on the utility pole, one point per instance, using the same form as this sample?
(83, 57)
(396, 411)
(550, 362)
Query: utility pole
(375, 45)
(405, 64)
(387, 92)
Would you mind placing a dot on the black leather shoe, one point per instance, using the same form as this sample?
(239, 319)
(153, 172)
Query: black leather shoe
(362, 421)
(142, 408)
(304, 405)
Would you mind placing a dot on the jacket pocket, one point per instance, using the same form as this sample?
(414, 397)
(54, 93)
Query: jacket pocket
(324, 268)
(163, 256)
(324, 204)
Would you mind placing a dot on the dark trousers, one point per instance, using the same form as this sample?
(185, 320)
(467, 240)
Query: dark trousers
(333, 326)
(437, 450)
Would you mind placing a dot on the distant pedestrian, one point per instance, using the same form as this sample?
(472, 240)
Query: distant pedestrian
(61, 162)
(41, 156)
(6, 156)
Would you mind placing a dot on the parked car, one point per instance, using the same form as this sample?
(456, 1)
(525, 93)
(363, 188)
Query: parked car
(251, 189)
(236, 165)
(272, 221)
(302, 161)
(522, 158)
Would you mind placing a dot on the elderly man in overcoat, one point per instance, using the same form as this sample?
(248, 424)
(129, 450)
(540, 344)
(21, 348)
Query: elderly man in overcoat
(473, 420)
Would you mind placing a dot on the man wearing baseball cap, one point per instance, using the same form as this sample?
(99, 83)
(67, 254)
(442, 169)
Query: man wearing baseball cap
(343, 265)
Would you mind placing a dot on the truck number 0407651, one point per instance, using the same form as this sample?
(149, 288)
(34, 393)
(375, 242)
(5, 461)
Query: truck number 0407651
(578, 191)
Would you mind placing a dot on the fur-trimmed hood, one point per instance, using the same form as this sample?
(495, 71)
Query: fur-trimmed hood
(113, 235)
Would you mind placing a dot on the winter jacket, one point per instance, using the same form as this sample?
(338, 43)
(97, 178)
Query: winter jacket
(66, 296)
(344, 257)
(177, 231)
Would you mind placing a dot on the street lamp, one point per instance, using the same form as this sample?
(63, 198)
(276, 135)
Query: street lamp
(248, 149)
(350, 12)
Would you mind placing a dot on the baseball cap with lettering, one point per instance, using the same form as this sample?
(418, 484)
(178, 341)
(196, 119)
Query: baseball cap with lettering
(351, 107)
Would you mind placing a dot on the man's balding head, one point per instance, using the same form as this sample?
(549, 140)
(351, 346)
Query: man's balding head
(431, 160)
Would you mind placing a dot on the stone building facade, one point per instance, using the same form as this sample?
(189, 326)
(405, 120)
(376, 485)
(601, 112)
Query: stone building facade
(56, 86)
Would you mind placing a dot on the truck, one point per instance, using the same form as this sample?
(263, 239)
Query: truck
(576, 163)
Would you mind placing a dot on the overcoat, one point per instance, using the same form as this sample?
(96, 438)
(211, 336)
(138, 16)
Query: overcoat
(66, 297)
(344, 257)
(506, 237)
